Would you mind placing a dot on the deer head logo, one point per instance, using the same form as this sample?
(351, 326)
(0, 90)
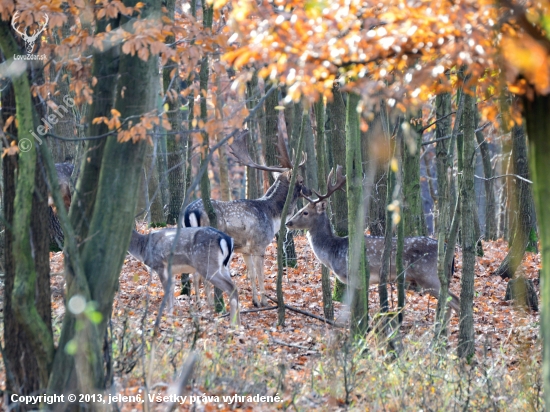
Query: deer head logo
(29, 40)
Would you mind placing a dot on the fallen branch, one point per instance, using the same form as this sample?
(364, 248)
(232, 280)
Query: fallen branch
(311, 315)
(252, 310)
(292, 345)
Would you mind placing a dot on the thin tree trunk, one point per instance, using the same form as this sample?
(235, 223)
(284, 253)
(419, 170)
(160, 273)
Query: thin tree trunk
(253, 96)
(490, 207)
(208, 13)
(413, 213)
(319, 128)
(358, 271)
(175, 142)
(283, 232)
(336, 143)
(466, 341)
(524, 227)
(442, 128)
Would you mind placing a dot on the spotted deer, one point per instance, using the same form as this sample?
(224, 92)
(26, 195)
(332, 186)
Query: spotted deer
(419, 253)
(253, 223)
(203, 250)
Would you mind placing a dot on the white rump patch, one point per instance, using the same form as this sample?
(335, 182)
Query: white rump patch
(224, 247)
(193, 220)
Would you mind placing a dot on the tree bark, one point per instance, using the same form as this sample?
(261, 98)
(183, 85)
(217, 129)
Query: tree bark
(283, 232)
(111, 223)
(253, 190)
(490, 207)
(442, 128)
(319, 109)
(336, 145)
(175, 142)
(537, 117)
(524, 227)
(413, 212)
(358, 271)
(466, 341)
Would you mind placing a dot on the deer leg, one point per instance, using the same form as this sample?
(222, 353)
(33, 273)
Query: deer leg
(209, 292)
(222, 280)
(251, 270)
(259, 263)
(165, 280)
(196, 285)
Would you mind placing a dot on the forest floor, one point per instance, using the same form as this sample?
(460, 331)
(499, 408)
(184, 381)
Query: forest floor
(308, 363)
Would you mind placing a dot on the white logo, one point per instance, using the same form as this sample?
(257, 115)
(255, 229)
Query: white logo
(29, 40)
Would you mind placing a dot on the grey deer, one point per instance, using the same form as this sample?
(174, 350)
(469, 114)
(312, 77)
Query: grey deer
(253, 223)
(419, 253)
(203, 250)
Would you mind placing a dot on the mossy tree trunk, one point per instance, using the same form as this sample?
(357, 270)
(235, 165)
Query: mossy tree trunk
(413, 212)
(358, 271)
(175, 142)
(283, 232)
(253, 190)
(524, 234)
(537, 116)
(490, 207)
(336, 145)
(110, 211)
(207, 14)
(322, 172)
(442, 128)
(466, 340)
(28, 252)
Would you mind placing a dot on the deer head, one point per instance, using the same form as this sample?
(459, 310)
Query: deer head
(312, 214)
(29, 40)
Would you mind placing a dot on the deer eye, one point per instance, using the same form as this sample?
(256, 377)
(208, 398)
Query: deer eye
(306, 213)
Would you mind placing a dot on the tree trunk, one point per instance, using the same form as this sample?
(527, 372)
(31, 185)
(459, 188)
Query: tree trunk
(175, 142)
(358, 271)
(336, 144)
(413, 212)
(111, 223)
(537, 117)
(208, 13)
(525, 228)
(283, 231)
(466, 341)
(320, 145)
(26, 262)
(374, 137)
(442, 128)
(490, 207)
(253, 190)
(271, 120)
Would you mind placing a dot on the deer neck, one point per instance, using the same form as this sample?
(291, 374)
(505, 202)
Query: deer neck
(275, 197)
(321, 234)
(138, 245)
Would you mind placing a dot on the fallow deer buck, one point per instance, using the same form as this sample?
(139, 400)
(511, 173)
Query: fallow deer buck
(419, 253)
(203, 250)
(253, 223)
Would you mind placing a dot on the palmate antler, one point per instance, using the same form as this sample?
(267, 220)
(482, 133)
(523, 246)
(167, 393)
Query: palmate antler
(239, 149)
(331, 188)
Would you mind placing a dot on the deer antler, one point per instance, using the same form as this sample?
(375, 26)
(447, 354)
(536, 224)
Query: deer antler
(284, 157)
(331, 188)
(14, 18)
(239, 149)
